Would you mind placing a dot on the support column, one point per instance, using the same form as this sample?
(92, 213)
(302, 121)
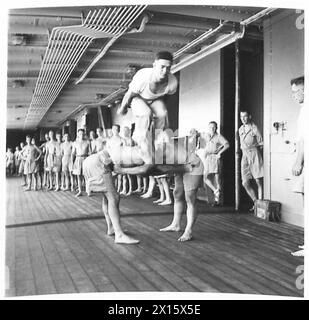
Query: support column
(237, 109)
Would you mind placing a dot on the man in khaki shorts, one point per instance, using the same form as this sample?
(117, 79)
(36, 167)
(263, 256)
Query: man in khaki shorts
(188, 171)
(98, 176)
(251, 142)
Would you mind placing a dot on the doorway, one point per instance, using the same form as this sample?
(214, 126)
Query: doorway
(251, 99)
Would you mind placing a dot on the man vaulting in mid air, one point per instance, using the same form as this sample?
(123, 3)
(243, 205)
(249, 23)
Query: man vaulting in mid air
(145, 96)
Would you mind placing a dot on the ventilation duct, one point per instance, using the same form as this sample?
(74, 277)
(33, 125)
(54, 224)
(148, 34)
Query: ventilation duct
(66, 46)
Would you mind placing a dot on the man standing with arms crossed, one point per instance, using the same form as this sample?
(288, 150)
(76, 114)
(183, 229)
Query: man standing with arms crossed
(145, 95)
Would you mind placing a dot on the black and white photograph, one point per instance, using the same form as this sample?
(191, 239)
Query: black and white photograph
(154, 148)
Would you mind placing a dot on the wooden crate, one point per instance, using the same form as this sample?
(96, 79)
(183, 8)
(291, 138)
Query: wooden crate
(268, 210)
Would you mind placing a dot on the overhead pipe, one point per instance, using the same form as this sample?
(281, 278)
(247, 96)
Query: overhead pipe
(198, 40)
(219, 44)
(105, 48)
(58, 65)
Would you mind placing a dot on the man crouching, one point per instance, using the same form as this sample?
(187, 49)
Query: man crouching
(98, 176)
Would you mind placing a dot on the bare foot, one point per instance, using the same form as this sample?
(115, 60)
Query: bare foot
(129, 193)
(124, 239)
(137, 191)
(78, 194)
(185, 237)
(170, 228)
(89, 194)
(146, 196)
(165, 203)
(110, 231)
(157, 201)
(27, 189)
(57, 189)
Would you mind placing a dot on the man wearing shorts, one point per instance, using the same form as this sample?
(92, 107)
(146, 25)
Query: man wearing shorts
(251, 142)
(80, 151)
(145, 95)
(66, 165)
(297, 87)
(215, 145)
(98, 176)
(188, 177)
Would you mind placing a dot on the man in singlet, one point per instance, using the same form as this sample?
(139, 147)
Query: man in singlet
(31, 154)
(251, 142)
(145, 95)
(80, 151)
(66, 165)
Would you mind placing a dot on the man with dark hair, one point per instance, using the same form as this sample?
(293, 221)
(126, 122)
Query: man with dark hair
(100, 141)
(251, 142)
(297, 87)
(216, 144)
(145, 95)
(80, 151)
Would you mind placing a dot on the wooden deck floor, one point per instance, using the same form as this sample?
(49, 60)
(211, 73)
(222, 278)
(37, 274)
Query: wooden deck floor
(56, 243)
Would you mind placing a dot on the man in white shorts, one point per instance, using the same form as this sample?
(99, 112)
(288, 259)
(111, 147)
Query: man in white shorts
(145, 95)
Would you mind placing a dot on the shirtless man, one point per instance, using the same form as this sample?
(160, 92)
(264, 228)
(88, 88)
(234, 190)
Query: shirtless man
(188, 176)
(101, 140)
(98, 175)
(43, 148)
(66, 165)
(80, 151)
(57, 161)
(113, 144)
(49, 158)
(9, 159)
(22, 164)
(251, 142)
(126, 178)
(31, 155)
(216, 144)
(145, 95)
(16, 159)
(92, 141)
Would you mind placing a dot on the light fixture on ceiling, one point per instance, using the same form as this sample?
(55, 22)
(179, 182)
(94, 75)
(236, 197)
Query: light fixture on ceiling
(18, 83)
(110, 105)
(18, 40)
(99, 96)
